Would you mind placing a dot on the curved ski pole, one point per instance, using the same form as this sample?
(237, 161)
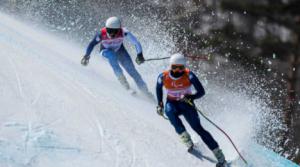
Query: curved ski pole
(191, 104)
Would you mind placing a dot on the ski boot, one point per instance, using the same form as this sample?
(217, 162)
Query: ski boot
(146, 93)
(125, 84)
(220, 157)
(186, 139)
(150, 96)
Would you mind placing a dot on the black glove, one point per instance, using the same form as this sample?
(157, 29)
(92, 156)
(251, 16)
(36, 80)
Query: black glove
(85, 60)
(188, 98)
(160, 109)
(139, 59)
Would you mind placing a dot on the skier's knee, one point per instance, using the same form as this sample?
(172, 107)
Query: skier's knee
(198, 128)
(180, 130)
(107, 53)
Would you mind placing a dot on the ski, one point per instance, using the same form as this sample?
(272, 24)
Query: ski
(196, 152)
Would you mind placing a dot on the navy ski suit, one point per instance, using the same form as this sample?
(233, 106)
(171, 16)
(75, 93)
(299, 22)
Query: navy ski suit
(174, 108)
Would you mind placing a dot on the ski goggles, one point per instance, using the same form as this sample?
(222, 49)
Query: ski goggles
(177, 67)
(112, 31)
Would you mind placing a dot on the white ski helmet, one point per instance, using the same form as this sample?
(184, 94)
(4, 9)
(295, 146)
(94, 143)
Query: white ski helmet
(177, 58)
(113, 22)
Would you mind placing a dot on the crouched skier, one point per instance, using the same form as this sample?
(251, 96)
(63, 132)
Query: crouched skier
(178, 82)
(111, 39)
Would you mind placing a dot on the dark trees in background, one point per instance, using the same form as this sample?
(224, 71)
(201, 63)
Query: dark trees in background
(274, 29)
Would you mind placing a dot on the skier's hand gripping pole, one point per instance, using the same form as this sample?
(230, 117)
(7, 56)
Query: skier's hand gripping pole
(189, 101)
(140, 59)
(160, 110)
(85, 60)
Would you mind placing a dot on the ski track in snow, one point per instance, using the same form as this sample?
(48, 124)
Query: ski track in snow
(23, 97)
(17, 77)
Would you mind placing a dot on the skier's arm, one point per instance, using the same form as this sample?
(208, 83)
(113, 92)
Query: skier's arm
(133, 40)
(198, 86)
(92, 44)
(159, 89)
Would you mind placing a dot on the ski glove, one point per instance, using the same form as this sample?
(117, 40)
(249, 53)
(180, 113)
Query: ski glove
(85, 60)
(188, 98)
(139, 59)
(160, 109)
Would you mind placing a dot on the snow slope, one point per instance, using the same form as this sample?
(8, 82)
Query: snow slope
(54, 112)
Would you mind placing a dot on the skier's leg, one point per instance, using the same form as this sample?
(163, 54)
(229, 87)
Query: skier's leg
(128, 65)
(173, 115)
(192, 117)
(187, 140)
(220, 157)
(112, 58)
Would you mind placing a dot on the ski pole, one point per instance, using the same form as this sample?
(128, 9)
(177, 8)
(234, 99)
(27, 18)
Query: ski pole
(157, 58)
(191, 104)
(188, 56)
(203, 57)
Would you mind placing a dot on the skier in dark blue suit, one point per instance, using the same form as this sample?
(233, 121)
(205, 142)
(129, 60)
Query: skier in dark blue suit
(178, 82)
